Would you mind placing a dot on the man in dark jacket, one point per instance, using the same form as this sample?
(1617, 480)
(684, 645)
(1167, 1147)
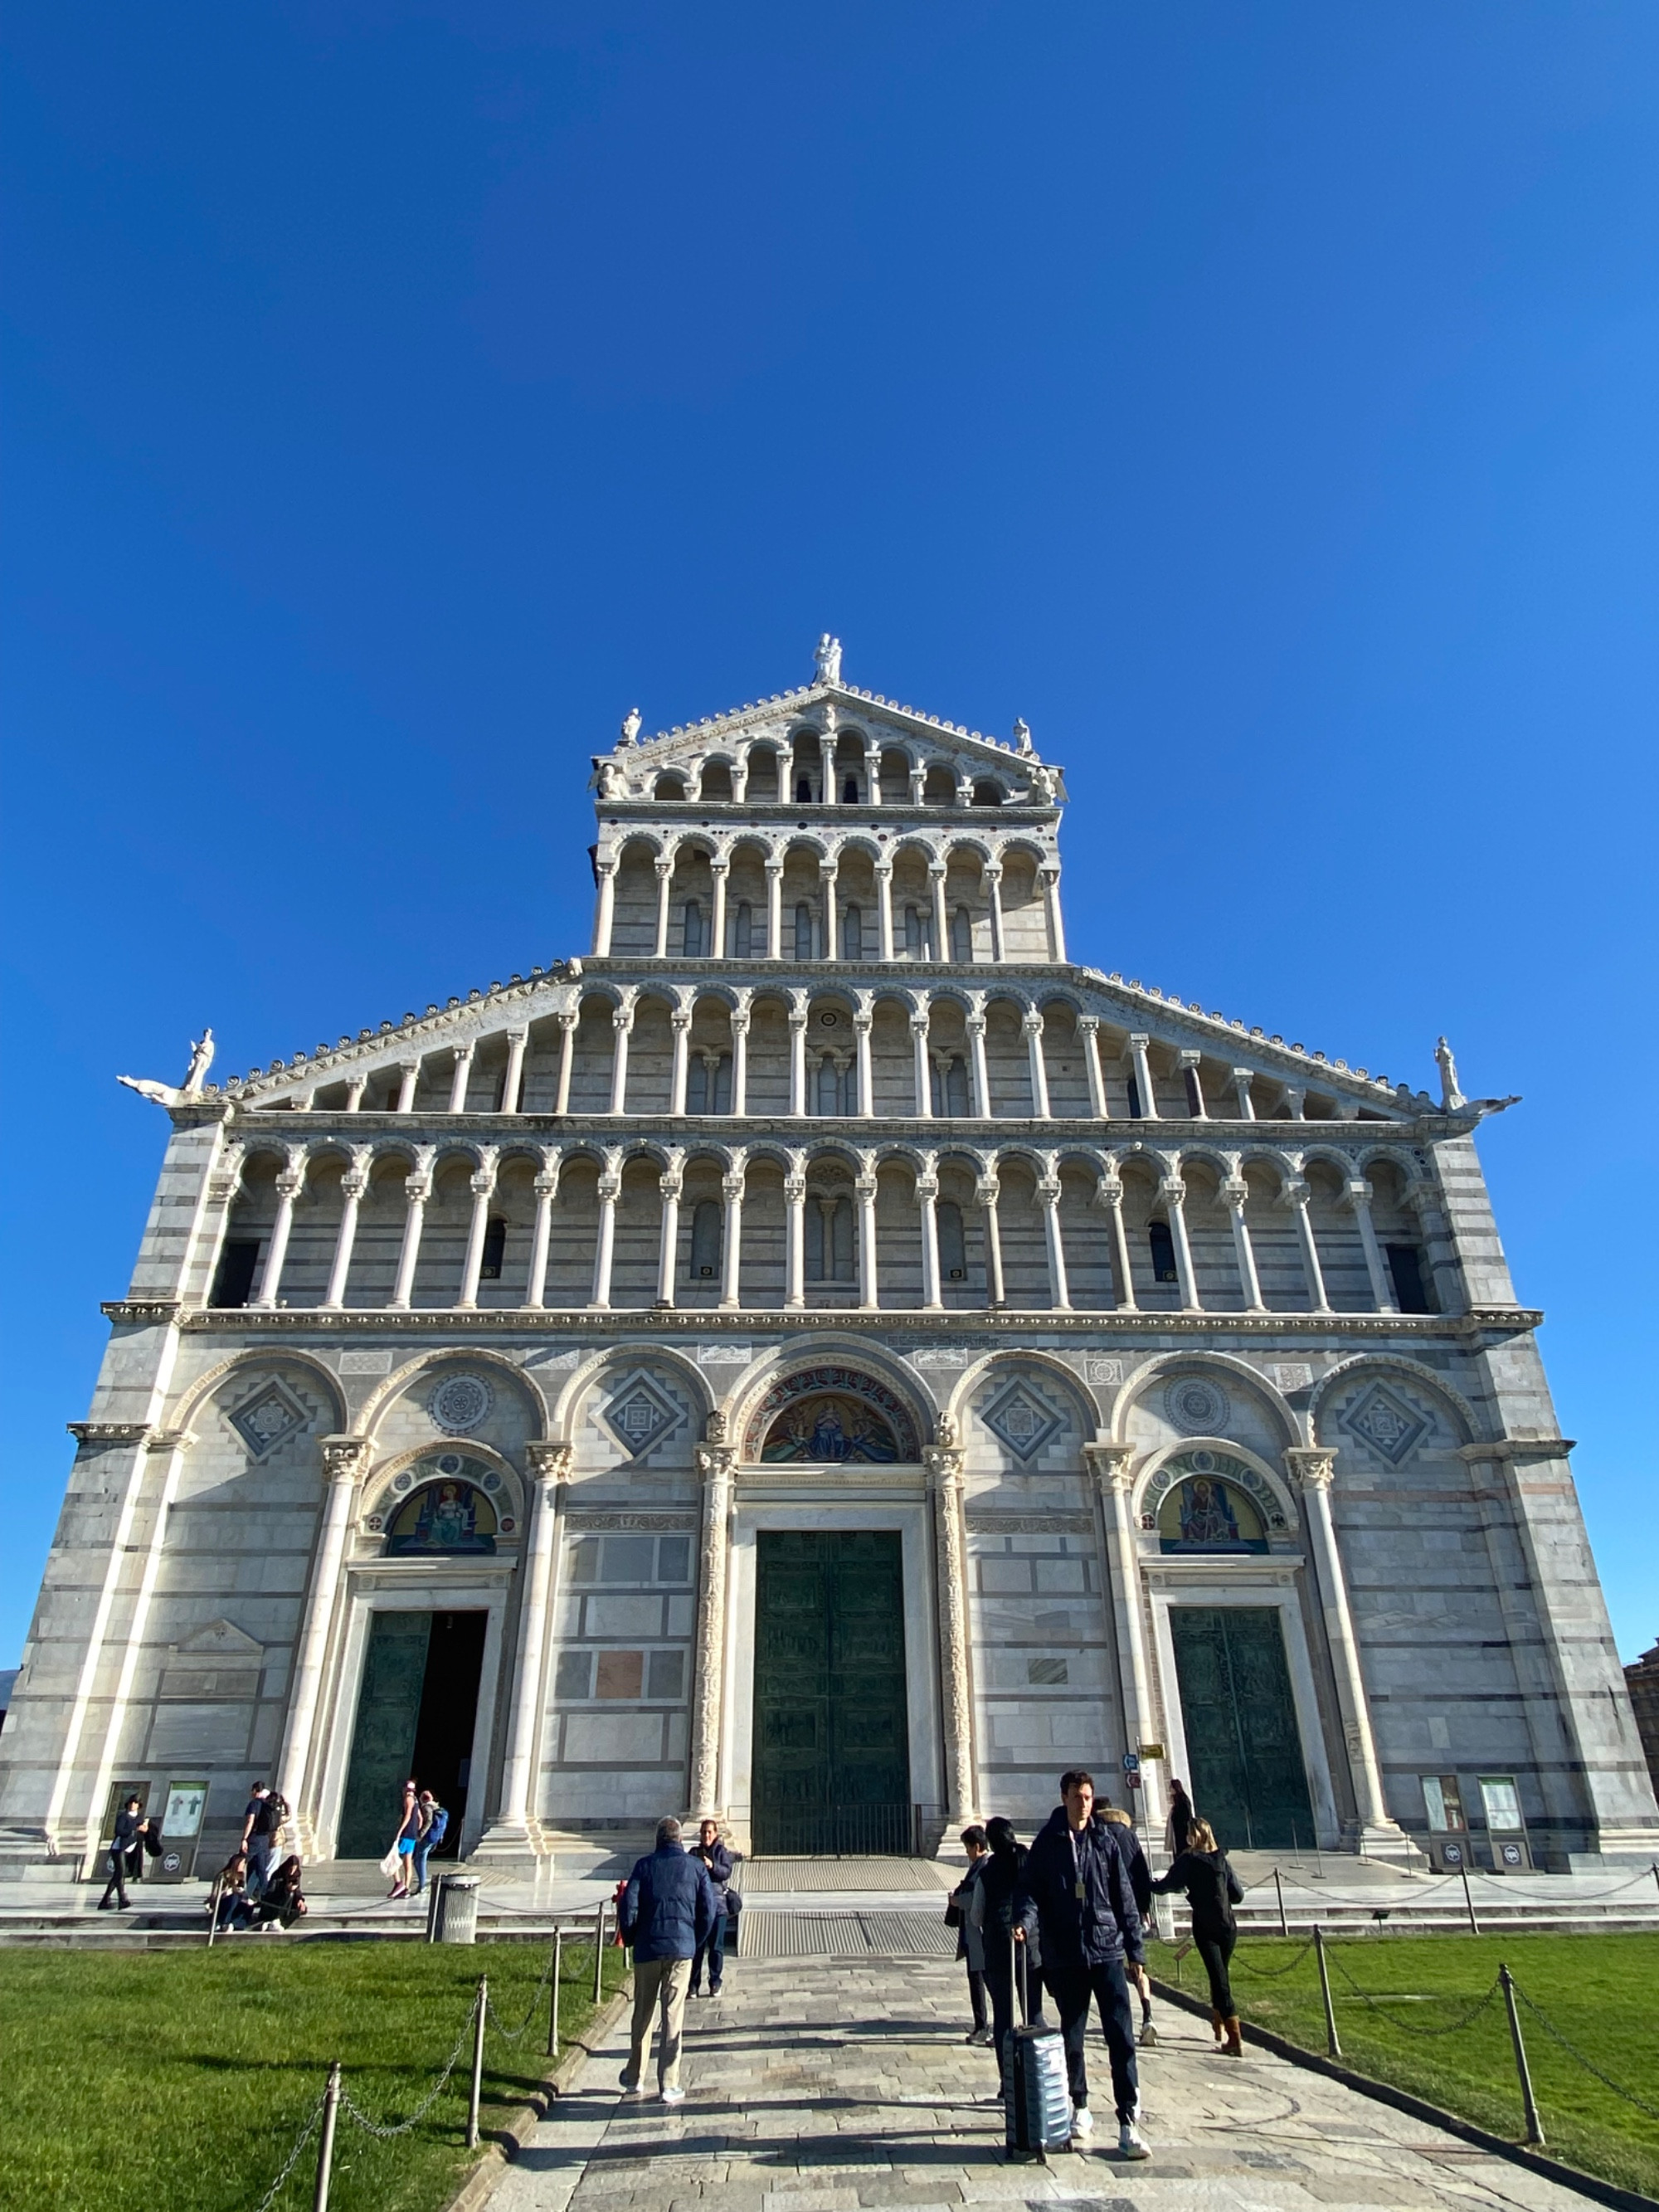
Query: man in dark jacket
(711, 1952)
(1075, 1890)
(128, 1829)
(667, 1912)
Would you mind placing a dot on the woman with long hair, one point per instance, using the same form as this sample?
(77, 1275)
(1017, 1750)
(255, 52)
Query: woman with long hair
(1212, 1891)
(409, 1825)
(992, 1905)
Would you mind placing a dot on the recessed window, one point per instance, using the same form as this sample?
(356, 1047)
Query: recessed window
(952, 1243)
(1135, 1109)
(232, 1285)
(803, 790)
(829, 1240)
(803, 932)
(852, 935)
(1162, 1246)
(1195, 1095)
(1411, 1290)
(962, 938)
(708, 1083)
(695, 943)
(494, 1250)
(915, 933)
(849, 791)
(706, 1241)
(743, 931)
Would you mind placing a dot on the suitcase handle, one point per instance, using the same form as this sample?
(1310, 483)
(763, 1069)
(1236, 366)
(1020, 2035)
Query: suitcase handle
(1020, 1970)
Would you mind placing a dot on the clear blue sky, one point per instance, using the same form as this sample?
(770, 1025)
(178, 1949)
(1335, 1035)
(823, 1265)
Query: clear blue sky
(1259, 400)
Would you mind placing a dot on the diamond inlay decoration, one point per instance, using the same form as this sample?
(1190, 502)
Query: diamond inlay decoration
(270, 1417)
(641, 1414)
(1018, 1419)
(1386, 1423)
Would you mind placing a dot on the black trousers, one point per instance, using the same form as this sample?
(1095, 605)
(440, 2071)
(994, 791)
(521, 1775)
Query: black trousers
(712, 1951)
(976, 1995)
(1216, 1950)
(1073, 1989)
(116, 1863)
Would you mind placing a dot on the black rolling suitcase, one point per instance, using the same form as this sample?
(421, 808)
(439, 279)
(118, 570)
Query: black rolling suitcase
(1036, 2093)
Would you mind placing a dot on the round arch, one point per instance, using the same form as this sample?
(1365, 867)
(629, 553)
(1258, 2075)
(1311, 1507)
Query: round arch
(395, 1385)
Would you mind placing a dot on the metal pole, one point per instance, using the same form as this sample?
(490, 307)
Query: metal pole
(213, 1909)
(325, 2147)
(1656, 1870)
(553, 2002)
(1474, 1925)
(1334, 2047)
(1284, 1924)
(598, 1953)
(477, 2062)
(1534, 2125)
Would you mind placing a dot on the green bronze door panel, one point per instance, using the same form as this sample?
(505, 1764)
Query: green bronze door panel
(831, 1716)
(383, 1741)
(1239, 1715)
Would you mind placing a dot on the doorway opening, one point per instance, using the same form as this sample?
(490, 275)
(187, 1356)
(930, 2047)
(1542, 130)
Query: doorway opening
(831, 1755)
(1239, 1718)
(415, 1714)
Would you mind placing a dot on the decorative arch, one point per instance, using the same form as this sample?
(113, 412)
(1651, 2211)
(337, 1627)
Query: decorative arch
(204, 1387)
(1010, 1430)
(397, 1383)
(1230, 1462)
(1346, 1371)
(399, 1480)
(587, 1377)
(1141, 1379)
(830, 1413)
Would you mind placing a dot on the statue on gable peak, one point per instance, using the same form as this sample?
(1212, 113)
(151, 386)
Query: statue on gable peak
(826, 656)
(1451, 1098)
(1023, 734)
(631, 728)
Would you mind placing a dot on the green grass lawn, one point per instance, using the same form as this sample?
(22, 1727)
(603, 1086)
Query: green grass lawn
(1601, 1992)
(133, 2079)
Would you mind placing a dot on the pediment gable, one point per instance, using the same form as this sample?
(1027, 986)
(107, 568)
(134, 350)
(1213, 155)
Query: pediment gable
(223, 1639)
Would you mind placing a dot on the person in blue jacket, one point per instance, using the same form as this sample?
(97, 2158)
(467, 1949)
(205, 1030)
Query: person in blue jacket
(1075, 1892)
(667, 1914)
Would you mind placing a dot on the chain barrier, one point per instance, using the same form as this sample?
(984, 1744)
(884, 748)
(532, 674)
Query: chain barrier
(514, 2034)
(1589, 2064)
(1273, 1973)
(360, 2119)
(293, 2158)
(1411, 2026)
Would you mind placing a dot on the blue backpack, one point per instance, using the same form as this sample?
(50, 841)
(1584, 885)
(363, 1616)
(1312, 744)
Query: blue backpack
(440, 1827)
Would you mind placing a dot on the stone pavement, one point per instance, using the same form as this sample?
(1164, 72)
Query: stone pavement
(834, 2085)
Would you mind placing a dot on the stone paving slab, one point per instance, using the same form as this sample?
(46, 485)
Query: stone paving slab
(838, 2085)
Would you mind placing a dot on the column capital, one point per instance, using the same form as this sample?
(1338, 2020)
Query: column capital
(863, 1020)
(1047, 1189)
(1048, 872)
(945, 1464)
(1138, 1040)
(1189, 1058)
(679, 1018)
(609, 1188)
(291, 1182)
(884, 865)
(417, 1184)
(548, 1462)
(992, 872)
(1243, 1074)
(798, 1017)
(1108, 1191)
(1235, 1191)
(975, 1024)
(774, 863)
(731, 1183)
(1111, 1465)
(569, 1017)
(1356, 1192)
(1294, 1192)
(937, 867)
(520, 1035)
(1031, 1021)
(663, 864)
(920, 1023)
(345, 1457)
(988, 1190)
(671, 1181)
(483, 1178)
(546, 1184)
(1088, 1024)
(741, 1018)
(795, 1188)
(622, 1017)
(464, 1048)
(716, 1462)
(865, 1185)
(1172, 1190)
(354, 1181)
(926, 1189)
(1312, 1467)
(720, 864)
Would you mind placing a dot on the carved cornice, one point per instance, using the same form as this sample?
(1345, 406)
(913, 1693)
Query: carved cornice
(130, 1310)
(109, 1432)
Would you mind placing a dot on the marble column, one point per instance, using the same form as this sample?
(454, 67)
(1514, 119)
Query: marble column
(483, 1189)
(353, 1184)
(610, 1190)
(994, 895)
(828, 877)
(1110, 1195)
(716, 1465)
(550, 1469)
(546, 1188)
(923, 1066)
(289, 1184)
(1110, 1465)
(1192, 1077)
(941, 925)
(863, 1022)
(731, 1250)
(927, 1200)
(740, 1060)
(462, 1075)
(884, 908)
(944, 1462)
(671, 1184)
(1032, 1026)
(1313, 1469)
(354, 1091)
(607, 872)
(1143, 1069)
(1089, 1031)
(775, 910)
(721, 870)
(1241, 1080)
(1049, 878)
(872, 775)
(1357, 1195)
(1236, 1191)
(798, 1060)
(517, 1039)
(665, 872)
(1173, 1192)
(794, 1198)
(622, 1021)
(864, 1187)
(679, 1021)
(567, 1022)
(408, 1074)
(345, 1459)
(987, 1191)
(1048, 1191)
(417, 1188)
(977, 1064)
(1295, 1195)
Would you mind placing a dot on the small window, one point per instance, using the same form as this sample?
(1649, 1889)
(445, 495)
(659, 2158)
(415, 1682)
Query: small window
(849, 791)
(622, 1674)
(852, 935)
(1501, 1801)
(666, 1675)
(1135, 1100)
(743, 931)
(1443, 1802)
(232, 1285)
(1410, 1290)
(574, 1676)
(494, 1250)
(674, 1559)
(1162, 1250)
(962, 938)
(952, 1243)
(695, 946)
(803, 790)
(706, 1241)
(803, 932)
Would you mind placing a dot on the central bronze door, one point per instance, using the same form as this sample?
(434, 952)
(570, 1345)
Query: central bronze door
(831, 1760)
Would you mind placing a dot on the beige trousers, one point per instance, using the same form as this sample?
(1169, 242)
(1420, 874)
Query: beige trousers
(659, 1986)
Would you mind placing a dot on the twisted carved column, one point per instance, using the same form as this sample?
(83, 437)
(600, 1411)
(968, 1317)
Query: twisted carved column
(944, 1464)
(344, 1458)
(716, 1461)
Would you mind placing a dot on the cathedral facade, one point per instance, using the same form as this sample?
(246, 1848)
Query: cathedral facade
(829, 1359)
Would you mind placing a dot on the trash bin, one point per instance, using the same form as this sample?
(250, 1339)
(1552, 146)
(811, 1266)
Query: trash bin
(455, 1909)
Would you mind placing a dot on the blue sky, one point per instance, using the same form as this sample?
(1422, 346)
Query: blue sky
(1257, 399)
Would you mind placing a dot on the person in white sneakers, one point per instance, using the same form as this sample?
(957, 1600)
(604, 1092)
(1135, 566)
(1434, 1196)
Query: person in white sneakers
(1075, 1893)
(667, 1912)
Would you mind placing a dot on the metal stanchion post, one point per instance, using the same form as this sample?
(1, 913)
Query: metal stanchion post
(478, 2063)
(213, 1908)
(1331, 2041)
(598, 1953)
(1474, 1925)
(1534, 2125)
(1284, 1924)
(1656, 1870)
(326, 2146)
(553, 2001)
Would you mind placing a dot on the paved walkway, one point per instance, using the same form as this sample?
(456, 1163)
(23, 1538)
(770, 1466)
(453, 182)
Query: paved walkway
(834, 2085)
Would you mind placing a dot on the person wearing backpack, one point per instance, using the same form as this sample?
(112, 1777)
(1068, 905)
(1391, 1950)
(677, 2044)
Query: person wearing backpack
(435, 1826)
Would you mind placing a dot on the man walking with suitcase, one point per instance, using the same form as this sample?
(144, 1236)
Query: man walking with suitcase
(1075, 1890)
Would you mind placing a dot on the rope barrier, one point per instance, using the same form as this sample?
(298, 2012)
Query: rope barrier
(1589, 2064)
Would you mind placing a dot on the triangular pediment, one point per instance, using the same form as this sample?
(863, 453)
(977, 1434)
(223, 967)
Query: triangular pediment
(223, 1639)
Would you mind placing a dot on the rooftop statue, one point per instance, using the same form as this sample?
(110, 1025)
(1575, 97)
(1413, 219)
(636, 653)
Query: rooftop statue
(169, 1094)
(1450, 1096)
(827, 655)
(201, 1059)
(631, 728)
(1023, 734)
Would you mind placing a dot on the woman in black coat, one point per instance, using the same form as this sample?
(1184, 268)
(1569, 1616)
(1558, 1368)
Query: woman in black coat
(992, 1904)
(1212, 1889)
